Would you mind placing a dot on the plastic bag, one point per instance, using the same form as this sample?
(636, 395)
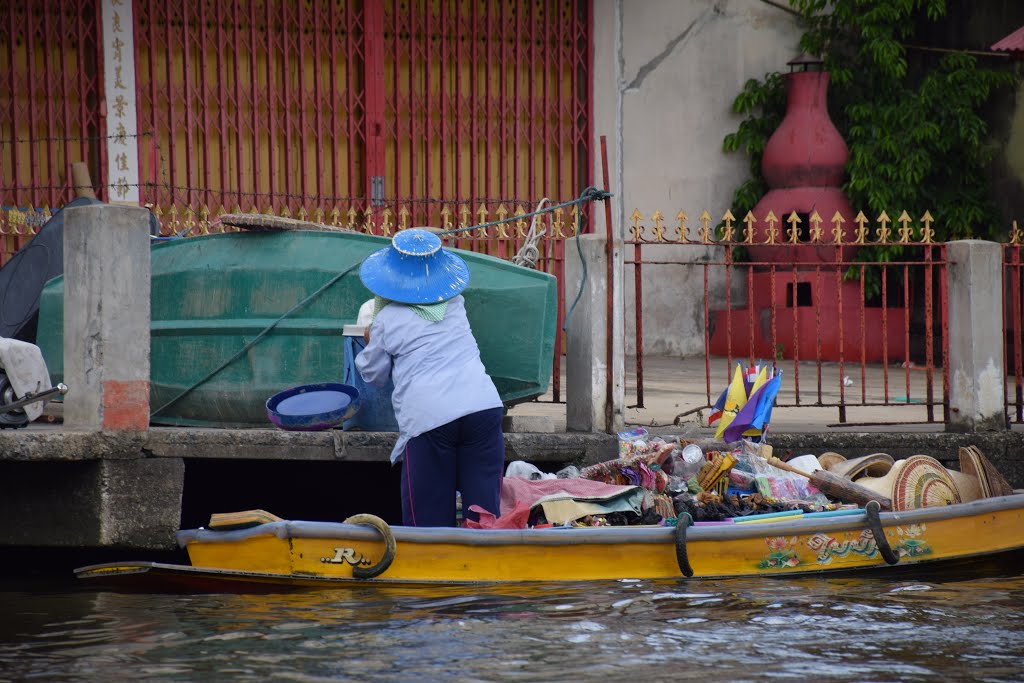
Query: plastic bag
(365, 316)
(568, 472)
(525, 470)
(772, 482)
(632, 442)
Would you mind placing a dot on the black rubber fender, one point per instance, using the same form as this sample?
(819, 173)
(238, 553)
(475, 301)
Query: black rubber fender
(875, 525)
(381, 526)
(682, 559)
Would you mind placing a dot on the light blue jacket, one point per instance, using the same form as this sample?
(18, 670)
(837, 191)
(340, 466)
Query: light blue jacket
(435, 366)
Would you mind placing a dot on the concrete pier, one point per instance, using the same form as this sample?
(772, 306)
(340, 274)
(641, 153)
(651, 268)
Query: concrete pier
(104, 490)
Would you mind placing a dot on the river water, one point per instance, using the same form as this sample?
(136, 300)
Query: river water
(831, 629)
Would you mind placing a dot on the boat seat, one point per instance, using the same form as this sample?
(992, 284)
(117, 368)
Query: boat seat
(231, 521)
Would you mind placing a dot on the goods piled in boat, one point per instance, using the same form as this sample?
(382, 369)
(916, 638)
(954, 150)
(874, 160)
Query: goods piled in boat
(656, 480)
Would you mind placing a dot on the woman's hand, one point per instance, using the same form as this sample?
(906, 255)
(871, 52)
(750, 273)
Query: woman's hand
(366, 334)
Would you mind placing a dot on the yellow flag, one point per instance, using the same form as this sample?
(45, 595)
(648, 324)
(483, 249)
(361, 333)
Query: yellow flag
(734, 400)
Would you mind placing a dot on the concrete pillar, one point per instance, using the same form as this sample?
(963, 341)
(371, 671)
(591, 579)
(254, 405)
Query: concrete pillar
(106, 318)
(588, 405)
(976, 340)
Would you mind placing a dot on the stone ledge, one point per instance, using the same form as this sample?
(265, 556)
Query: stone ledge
(27, 445)
(1005, 449)
(55, 445)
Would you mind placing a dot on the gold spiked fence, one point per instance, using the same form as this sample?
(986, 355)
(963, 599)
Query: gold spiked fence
(190, 220)
(642, 231)
(385, 221)
(787, 230)
(18, 224)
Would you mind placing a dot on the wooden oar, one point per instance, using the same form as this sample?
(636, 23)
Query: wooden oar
(834, 486)
(259, 222)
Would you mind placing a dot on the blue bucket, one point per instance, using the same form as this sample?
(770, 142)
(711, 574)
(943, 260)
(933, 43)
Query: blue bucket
(376, 413)
(313, 407)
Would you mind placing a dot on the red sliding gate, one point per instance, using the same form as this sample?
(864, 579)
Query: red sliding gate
(50, 90)
(317, 105)
(315, 108)
(375, 113)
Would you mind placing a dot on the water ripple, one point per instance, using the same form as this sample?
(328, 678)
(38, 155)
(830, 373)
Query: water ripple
(736, 630)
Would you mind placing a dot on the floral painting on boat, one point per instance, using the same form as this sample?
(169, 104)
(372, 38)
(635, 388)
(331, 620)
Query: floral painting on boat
(783, 553)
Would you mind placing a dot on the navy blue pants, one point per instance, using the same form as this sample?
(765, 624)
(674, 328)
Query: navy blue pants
(465, 455)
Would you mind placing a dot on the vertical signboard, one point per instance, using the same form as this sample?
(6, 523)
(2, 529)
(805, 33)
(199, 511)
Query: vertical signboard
(119, 86)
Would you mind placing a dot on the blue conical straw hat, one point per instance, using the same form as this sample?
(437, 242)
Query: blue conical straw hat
(415, 269)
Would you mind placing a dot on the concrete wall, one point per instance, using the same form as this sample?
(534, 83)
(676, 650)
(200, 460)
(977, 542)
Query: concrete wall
(100, 503)
(593, 401)
(665, 76)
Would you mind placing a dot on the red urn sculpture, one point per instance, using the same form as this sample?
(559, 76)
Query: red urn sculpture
(799, 306)
(804, 165)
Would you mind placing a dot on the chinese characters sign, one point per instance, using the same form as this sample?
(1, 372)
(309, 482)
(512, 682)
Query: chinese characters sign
(119, 81)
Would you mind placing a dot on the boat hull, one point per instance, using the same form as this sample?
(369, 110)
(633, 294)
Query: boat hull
(211, 296)
(150, 577)
(319, 553)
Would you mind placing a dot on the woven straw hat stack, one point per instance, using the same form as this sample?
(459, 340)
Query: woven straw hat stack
(921, 480)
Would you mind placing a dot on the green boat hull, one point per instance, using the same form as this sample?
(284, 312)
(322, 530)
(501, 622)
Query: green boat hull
(213, 295)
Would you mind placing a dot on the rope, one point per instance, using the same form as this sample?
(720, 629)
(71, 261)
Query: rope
(529, 253)
(583, 261)
(591, 194)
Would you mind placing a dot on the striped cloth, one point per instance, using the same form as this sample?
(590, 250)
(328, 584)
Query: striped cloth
(433, 313)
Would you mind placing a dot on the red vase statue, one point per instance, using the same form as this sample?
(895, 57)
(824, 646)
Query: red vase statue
(804, 165)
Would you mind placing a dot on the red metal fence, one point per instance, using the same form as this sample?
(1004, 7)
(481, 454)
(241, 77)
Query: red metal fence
(847, 334)
(310, 107)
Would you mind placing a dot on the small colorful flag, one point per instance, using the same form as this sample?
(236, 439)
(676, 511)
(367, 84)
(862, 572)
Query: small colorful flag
(746, 404)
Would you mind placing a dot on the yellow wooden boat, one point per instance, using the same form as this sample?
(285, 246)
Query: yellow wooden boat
(279, 553)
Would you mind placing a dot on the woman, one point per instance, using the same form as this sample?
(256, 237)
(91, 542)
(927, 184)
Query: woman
(448, 410)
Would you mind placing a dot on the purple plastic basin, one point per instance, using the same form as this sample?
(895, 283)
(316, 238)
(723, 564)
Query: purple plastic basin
(313, 407)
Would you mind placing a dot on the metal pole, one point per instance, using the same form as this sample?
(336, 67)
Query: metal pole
(33, 398)
(609, 325)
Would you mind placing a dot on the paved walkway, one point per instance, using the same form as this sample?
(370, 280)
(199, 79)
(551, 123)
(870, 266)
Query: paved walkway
(675, 391)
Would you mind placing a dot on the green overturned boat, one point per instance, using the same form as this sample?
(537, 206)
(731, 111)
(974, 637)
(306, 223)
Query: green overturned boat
(215, 295)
